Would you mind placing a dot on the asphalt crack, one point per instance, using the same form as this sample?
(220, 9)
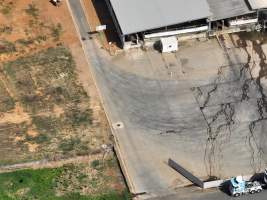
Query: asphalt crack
(219, 132)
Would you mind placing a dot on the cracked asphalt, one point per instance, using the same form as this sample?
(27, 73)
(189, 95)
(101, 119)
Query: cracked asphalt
(204, 106)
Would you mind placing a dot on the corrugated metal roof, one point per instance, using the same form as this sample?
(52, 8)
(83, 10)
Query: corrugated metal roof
(258, 4)
(223, 9)
(141, 15)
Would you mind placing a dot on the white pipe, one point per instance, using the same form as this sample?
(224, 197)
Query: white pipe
(242, 22)
(177, 32)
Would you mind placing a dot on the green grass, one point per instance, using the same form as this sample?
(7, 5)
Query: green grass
(40, 185)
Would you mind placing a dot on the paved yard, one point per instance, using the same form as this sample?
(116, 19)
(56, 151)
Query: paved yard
(204, 107)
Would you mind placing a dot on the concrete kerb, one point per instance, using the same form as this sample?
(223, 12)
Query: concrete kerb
(195, 180)
(116, 146)
(185, 173)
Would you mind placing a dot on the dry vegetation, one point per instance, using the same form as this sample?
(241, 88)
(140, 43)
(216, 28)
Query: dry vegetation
(45, 111)
(48, 105)
(58, 121)
(43, 88)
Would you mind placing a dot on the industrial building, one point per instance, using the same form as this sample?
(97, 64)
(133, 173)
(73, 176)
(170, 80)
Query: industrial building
(139, 21)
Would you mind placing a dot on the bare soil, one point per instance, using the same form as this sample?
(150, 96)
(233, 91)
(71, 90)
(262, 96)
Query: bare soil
(49, 106)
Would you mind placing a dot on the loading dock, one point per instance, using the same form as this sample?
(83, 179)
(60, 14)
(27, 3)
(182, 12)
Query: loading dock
(144, 20)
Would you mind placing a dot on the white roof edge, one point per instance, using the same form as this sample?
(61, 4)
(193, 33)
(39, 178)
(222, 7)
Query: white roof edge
(141, 15)
(258, 4)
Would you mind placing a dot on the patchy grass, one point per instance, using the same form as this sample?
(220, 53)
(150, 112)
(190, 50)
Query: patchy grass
(78, 117)
(69, 144)
(45, 85)
(56, 31)
(13, 151)
(32, 10)
(6, 29)
(7, 47)
(45, 113)
(45, 79)
(7, 103)
(31, 40)
(46, 124)
(6, 7)
(65, 183)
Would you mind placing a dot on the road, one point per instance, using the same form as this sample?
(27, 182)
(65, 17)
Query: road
(211, 195)
(203, 116)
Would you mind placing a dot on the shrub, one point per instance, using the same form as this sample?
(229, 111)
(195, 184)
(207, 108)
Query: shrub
(32, 10)
(56, 31)
(95, 164)
(77, 117)
(69, 145)
(7, 47)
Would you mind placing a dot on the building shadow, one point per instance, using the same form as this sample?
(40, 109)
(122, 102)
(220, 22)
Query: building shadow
(157, 46)
(105, 18)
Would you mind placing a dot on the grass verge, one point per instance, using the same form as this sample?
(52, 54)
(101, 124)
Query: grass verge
(42, 184)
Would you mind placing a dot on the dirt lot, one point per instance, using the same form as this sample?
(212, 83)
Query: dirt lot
(49, 106)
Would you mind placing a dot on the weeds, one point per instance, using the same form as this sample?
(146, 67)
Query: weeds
(6, 29)
(5, 8)
(25, 42)
(6, 101)
(6, 47)
(42, 83)
(46, 125)
(32, 10)
(56, 31)
(69, 144)
(29, 41)
(95, 164)
(39, 139)
(77, 117)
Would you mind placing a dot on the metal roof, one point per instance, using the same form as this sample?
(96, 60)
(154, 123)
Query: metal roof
(258, 4)
(223, 9)
(141, 15)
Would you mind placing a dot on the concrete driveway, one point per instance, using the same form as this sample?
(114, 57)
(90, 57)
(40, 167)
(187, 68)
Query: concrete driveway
(204, 107)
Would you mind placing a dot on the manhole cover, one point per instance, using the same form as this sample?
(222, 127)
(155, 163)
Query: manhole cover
(118, 125)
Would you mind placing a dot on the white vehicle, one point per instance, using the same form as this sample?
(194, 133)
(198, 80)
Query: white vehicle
(253, 187)
(239, 187)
